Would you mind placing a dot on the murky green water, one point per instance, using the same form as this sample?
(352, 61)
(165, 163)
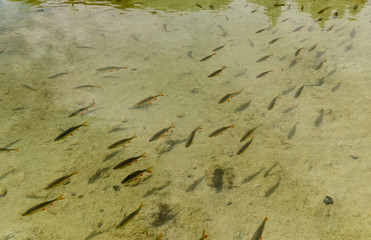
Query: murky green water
(309, 102)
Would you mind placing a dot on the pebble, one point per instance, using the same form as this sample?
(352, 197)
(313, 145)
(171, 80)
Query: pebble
(3, 192)
(328, 200)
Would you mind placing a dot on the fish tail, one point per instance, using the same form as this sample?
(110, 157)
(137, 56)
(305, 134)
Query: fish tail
(141, 205)
(75, 172)
(85, 124)
(143, 154)
(60, 197)
(149, 169)
(16, 149)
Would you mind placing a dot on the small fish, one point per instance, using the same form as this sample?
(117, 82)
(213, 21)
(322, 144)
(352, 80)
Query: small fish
(191, 137)
(148, 100)
(128, 162)
(320, 65)
(130, 217)
(264, 73)
(135, 175)
(264, 58)
(259, 232)
(8, 149)
(251, 177)
(87, 86)
(336, 87)
(41, 207)
(110, 69)
(261, 30)
(161, 133)
(61, 181)
(60, 74)
(70, 131)
(81, 110)
(28, 87)
(228, 96)
(266, 174)
(245, 146)
(298, 51)
(247, 134)
(218, 48)
(84, 47)
(284, 20)
(208, 57)
(349, 47)
(298, 28)
(220, 131)
(319, 119)
(122, 142)
(321, 11)
(198, 5)
(164, 28)
(250, 42)
(271, 104)
(330, 28)
(292, 132)
(204, 236)
(273, 188)
(279, 5)
(217, 72)
(298, 92)
(254, 10)
(275, 40)
(313, 47)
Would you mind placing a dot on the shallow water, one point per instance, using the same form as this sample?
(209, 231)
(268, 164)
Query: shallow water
(309, 145)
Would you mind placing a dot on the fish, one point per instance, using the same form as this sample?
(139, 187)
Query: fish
(264, 73)
(313, 47)
(292, 132)
(198, 5)
(192, 136)
(220, 131)
(84, 47)
(271, 104)
(330, 28)
(42, 206)
(259, 232)
(8, 149)
(284, 20)
(264, 58)
(298, 28)
(130, 217)
(164, 28)
(128, 162)
(110, 69)
(122, 142)
(321, 11)
(261, 30)
(320, 65)
(245, 146)
(70, 131)
(81, 110)
(59, 74)
(148, 100)
(218, 48)
(266, 174)
(247, 134)
(319, 119)
(161, 133)
(87, 86)
(336, 87)
(275, 40)
(298, 92)
(217, 72)
(227, 96)
(298, 51)
(204, 236)
(273, 188)
(207, 57)
(293, 63)
(251, 177)
(135, 175)
(61, 181)
(28, 87)
(279, 5)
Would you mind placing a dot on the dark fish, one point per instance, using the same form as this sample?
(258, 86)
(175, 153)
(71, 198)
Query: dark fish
(59, 74)
(28, 87)
(130, 217)
(218, 48)
(207, 57)
(264, 73)
(251, 177)
(110, 69)
(245, 146)
(271, 104)
(330, 28)
(336, 87)
(319, 118)
(279, 5)
(61, 180)
(121, 142)
(298, 28)
(198, 5)
(217, 72)
(259, 232)
(70, 131)
(220, 131)
(293, 63)
(148, 100)
(87, 86)
(292, 132)
(42, 206)
(75, 113)
(284, 20)
(266, 174)
(261, 30)
(298, 92)
(135, 175)
(8, 149)
(191, 137)
(161, 133)
(313, 47)
(320, 65)
(349, 47)
(227, 96)
(275, 40)
(273, 188)
(298, 51)
(321, 11)
(264, 58)
(250, 42)
(128, 162)
(247, 134)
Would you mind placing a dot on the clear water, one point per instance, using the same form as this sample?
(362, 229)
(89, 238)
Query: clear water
(303, 149)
